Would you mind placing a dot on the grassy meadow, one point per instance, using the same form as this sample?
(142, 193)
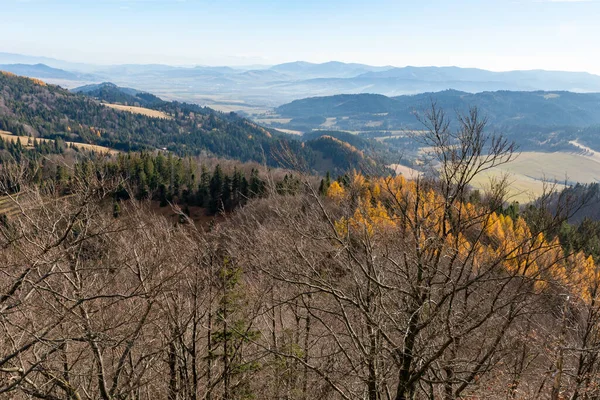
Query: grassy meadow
(27, 141)
(139, 110)
(531, 172)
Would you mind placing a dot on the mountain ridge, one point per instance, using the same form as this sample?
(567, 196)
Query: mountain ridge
(189, 129)
(542, 108)
(249, 88)
(39, 70)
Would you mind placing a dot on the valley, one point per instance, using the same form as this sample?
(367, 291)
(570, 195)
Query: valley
(548, 128)
(531, 174)
(558, 148)
(268, 86)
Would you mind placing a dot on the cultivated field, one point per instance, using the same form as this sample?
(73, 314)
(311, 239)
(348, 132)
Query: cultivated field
(269, 121)
(530, 171)
(16, 203)
(139, 110)
(26, 141)
(405, 171)
(521, 188)
(227, 108)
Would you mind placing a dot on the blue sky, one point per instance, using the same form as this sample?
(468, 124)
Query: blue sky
(492, 34)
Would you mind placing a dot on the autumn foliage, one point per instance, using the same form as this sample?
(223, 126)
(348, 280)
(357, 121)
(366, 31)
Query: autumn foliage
(495, 235)
(367, 287)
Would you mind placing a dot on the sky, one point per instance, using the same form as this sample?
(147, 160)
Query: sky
(498, 35)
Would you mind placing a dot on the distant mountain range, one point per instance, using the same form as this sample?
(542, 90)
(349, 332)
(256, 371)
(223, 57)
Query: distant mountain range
(331, 69)
(12, 58)
(252, 89)
(42, 71)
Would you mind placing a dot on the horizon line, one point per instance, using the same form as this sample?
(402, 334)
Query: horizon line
(268, 66)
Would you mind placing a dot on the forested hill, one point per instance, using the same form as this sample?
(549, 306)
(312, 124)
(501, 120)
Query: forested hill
(112, 93)
(31, 107)
(502, 107)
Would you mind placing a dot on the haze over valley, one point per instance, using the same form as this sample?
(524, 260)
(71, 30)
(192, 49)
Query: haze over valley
(542, 111)
(254, 88)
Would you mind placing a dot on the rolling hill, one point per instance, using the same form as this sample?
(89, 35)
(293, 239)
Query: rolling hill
(533, 79)
(557, 133)
(111, 93)
(253, 89)
(29, 107)
(331, 69)
(502, 108)
(39, 71)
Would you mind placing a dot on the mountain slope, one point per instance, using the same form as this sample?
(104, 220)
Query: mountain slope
(502, 108)
(50, 111)
(534, 79)
(38, 71)
(12, 58)
(272, 86)
(535, 121)
(338, 106)
(331, 69)
(30, 107)
(111, 93)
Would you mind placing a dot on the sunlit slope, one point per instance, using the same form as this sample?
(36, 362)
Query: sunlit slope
(139, 110)
(530, 172)
(27, 141)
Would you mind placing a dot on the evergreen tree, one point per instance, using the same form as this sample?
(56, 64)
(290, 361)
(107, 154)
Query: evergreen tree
(244, 190)
(236, 188)
(203, 195)
(61, 175)
(257, 186)
(227, 194)
(216, 190)
(162, 195)
(116, 209)
(325, 183)
(232, 334)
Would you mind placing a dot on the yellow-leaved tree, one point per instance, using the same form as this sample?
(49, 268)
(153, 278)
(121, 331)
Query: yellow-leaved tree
(409, 290)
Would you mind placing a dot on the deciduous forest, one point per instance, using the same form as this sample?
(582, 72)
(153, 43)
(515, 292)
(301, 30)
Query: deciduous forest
(291, 286)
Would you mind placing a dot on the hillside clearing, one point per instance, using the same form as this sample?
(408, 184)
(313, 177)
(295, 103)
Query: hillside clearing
(329, 122)
(560, 166)
(290, 131)
(139, 110)
(27, 141)
(270, 121)
(8, 207)
(521, 188)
